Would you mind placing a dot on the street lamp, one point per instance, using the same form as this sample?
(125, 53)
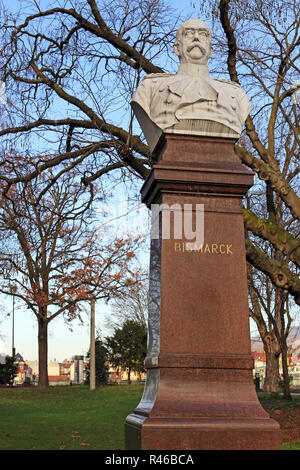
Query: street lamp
(92, 348)
(13, 329)
(13, 349)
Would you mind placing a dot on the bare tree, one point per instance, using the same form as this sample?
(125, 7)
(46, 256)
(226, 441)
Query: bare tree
(132, 306)
(270, 309)
(259, 42)
(262, 42)
(51, 257)
(87, 62)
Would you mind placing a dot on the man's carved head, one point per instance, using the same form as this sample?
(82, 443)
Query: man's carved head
(193, 42)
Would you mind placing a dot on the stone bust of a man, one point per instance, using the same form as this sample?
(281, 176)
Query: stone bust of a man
(190, 102)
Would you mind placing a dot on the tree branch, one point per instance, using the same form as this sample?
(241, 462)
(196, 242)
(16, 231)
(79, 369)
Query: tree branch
(280, 275)
(276, 180)
(277, 236)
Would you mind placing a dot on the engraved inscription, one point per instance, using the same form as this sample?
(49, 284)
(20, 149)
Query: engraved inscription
(205, 248)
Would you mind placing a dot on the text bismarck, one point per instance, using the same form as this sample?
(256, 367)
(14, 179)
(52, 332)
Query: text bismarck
(205, 248)
(152, 459)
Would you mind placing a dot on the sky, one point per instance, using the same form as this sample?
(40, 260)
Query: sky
(64, 341)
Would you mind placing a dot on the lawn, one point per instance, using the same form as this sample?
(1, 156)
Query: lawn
(69, 418)
(75, 418)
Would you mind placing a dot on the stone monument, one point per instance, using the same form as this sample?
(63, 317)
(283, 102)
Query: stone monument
(199, 392)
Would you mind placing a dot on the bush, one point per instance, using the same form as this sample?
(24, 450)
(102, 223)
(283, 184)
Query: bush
(8, 371)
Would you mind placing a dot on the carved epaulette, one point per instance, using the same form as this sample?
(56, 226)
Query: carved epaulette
(227, 81)
(158, 75)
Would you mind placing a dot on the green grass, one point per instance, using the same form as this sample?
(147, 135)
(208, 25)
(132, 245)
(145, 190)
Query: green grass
(73, 418)
(68, 418)
(275, 401)
(293, 446)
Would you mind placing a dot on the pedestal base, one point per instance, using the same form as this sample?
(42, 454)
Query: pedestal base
(202, 434)
(201, 409)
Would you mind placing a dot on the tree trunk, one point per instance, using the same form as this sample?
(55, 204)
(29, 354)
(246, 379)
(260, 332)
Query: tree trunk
(43, 352)
(282, 333)
(271, 383)
(286, 383)
(272, 350)
(128, 377)
(267, 334)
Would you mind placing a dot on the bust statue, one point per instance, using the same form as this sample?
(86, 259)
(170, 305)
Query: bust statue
(190, 102)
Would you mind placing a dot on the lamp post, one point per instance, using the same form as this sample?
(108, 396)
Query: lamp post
(92, 348)
(13, 329)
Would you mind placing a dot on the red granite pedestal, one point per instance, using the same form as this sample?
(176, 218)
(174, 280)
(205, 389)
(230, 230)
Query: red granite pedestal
(199, 392)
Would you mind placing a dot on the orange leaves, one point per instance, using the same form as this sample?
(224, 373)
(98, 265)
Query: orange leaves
(129, 255)
(103, 274)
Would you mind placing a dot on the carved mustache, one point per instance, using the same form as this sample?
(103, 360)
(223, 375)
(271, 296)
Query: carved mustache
(196, 44)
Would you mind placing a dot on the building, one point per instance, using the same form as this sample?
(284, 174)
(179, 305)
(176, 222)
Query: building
(24, 371)
(53, 368)
(66, 372)
(117, 375)
(34, 365)
(56, 380)
(65, 367)
(78, 369)
(58, 373)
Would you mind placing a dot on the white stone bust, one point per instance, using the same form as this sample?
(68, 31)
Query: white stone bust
(190, 102)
